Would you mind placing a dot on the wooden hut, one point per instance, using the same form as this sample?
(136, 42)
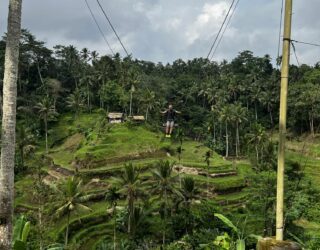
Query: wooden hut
(115, 117)
(138, 118)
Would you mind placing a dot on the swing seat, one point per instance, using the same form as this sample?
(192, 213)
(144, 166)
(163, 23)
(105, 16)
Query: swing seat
(174, 125)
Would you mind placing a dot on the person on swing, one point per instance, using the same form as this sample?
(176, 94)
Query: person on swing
(171, 114)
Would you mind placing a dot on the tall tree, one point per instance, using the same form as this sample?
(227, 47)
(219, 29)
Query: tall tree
(46, 111)
(239, 115)
(226, 117)
(72, 199)
(113, 196)
(164, 186)
(131, 186)
(9, 123)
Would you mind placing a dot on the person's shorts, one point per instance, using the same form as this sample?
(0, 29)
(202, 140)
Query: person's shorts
(170, 124)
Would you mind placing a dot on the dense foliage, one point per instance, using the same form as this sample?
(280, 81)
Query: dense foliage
(232, 107)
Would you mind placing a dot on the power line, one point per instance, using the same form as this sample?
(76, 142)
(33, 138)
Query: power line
(280, 29)
(216, 38)
(226, 26)
(306, 43)
(106, 16)
(96, 22)
(295, 53)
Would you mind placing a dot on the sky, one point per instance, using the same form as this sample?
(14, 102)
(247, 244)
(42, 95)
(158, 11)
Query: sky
(165, 30)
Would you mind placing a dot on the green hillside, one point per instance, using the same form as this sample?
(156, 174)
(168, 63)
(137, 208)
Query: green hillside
(97, 151)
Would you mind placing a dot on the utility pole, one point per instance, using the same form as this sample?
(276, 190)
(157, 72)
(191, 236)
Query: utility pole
(283, 118)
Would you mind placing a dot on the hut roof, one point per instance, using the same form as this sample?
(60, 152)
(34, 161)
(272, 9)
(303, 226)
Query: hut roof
(115, 115)
(138, 118)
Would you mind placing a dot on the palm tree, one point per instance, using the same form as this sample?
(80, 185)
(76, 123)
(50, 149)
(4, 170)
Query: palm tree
(130, 185)
(25, 142)
(72, 198)
(164, 185)
(226, 117)
(188, 190)
(75, 102)
(9, 123)
(112, 197)
(180, 137)
(46, 111)
(55, 88)
(239, 115)
(150, 100)
(207, 157)
(134, 80)
(257, 138)
(189, 193)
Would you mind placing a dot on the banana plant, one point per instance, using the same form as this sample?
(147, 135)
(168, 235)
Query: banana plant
(20, 233)
(240, 243)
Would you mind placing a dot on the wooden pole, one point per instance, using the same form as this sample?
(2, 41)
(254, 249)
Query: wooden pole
(283, 119)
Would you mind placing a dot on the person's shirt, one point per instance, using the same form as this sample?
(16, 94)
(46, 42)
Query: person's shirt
(171, 114)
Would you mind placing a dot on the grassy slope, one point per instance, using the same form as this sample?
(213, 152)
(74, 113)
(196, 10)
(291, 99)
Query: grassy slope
(85, 139)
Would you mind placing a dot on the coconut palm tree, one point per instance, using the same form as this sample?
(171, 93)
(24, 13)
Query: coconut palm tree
(179, 137)
(113, 196)
(9, 123)
(131, 186)
(25, 142)
(72, 198)
(46, 111)
(257, 138)
(226, 117)
(189, 193)
(164, 186)
(239, 115)
(150, 101)
(207, 157)
(75, 102)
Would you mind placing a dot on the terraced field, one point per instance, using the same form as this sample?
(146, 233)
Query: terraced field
(96, 151)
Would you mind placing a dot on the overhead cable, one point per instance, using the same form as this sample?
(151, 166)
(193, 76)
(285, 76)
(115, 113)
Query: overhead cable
(222, 25)
(114, 30)
(99, 28)
(226, 26)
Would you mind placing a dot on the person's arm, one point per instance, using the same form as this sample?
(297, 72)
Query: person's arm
(178, 112)
(163, 112)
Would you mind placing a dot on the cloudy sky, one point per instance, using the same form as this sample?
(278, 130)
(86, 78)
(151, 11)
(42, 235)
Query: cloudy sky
(164, 30)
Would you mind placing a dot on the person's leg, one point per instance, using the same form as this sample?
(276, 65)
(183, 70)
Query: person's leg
(167, 127)
(171, 127)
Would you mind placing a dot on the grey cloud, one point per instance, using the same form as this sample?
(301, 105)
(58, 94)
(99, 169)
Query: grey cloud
(164, 30)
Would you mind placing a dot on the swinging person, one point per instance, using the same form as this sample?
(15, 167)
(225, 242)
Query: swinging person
(171, 114)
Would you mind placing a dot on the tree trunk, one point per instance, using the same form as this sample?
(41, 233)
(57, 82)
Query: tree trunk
(271, 118)
(214, 133)
(130, 110)
(311, 124)
(88, 90)
(9, 124)
(165, 220)
(46, 131)
(131, 208)
(147, 113)
(67, 230)
(40, 76)
(255, 110)
(227, 141)
(22, 157)
(237, 140)
(114, 228)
